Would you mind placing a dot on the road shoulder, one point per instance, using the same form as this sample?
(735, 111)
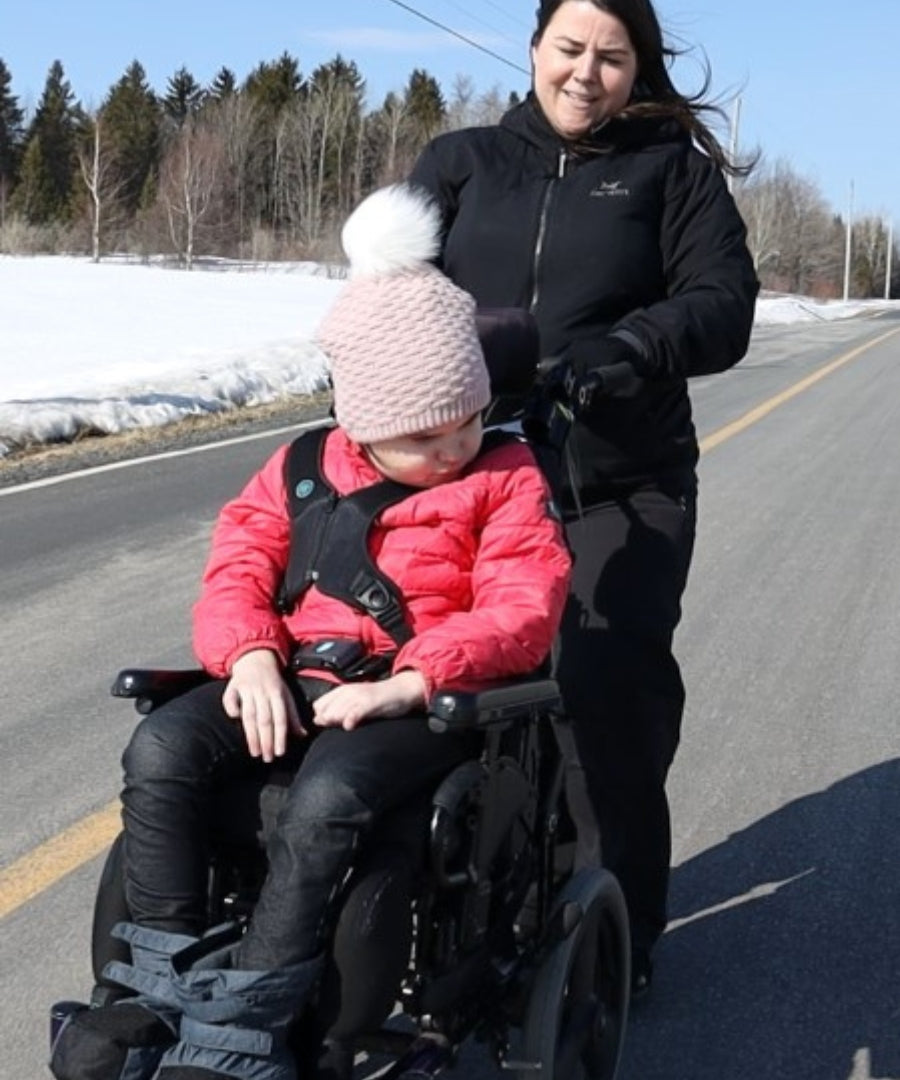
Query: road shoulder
(40, 462)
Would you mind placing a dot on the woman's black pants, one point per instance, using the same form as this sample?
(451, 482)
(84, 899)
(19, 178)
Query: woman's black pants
(185, 752)
(622, 685)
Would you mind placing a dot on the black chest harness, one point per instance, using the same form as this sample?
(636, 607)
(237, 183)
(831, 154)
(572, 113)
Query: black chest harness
(329, 538)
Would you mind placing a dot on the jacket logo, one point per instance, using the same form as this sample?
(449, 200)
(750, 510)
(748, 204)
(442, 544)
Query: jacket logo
(610, 189)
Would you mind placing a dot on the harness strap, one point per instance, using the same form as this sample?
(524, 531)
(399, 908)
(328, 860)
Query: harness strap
(329, 539)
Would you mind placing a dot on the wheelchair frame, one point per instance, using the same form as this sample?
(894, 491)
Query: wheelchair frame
(509, 946)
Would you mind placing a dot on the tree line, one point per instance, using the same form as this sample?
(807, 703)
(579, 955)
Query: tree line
(269, 167)
(266, 168)
(799, 244)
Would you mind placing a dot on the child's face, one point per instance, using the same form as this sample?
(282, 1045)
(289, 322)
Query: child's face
(430, 457)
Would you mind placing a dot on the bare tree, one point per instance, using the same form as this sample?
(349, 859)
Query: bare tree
(318, 159)
(489, 107)
(188, 184)
(235, 122)
(392, 122)
(101, 178)
(869, 256)
(459, 109)
(335, 105)
(292, 172)
(758, 201)
(790, 231)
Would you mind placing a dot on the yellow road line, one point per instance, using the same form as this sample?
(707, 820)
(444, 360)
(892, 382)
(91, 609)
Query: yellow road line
(70, 849)
(735, 428)
(49, 862)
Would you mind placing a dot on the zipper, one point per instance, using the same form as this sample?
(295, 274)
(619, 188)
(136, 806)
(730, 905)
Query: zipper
(542, 227)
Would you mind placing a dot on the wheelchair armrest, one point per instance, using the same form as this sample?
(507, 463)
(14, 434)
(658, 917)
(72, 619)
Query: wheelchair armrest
(452, 710)
(151, 687)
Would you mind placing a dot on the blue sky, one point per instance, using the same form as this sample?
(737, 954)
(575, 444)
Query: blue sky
(815, 76)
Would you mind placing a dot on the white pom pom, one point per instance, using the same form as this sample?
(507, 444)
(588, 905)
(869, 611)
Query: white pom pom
(395, 228)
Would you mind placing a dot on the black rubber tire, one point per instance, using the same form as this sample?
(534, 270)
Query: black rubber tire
(109, 908)
(578, 1005)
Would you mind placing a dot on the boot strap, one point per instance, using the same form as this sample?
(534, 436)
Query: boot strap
(215, 1037)
(155, 941)
(156, 987)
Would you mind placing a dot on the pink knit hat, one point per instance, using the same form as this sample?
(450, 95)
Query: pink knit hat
(401, 338)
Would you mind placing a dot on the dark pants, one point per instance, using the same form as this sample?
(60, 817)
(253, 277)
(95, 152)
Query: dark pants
(182, 754)
(622, 685)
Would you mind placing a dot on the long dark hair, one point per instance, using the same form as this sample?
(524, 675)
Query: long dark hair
(654, 92)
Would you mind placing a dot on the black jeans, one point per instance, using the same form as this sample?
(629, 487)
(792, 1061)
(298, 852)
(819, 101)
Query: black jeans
(622, 685)
(182, 754)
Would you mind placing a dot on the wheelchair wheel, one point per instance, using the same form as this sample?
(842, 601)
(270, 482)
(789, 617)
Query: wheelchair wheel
(109, 908)
(578, 1006)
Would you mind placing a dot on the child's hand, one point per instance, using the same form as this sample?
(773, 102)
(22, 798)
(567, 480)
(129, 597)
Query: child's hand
(258, 696)
(349, 705)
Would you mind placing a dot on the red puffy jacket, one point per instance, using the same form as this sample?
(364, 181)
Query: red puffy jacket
(480, 561)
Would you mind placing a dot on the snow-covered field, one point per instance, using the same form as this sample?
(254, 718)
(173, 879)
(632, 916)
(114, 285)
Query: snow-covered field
(117, 345)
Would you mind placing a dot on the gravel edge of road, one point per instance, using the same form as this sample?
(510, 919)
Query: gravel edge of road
(29, 464)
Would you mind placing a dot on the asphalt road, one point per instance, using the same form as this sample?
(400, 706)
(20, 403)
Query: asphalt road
(783, 957)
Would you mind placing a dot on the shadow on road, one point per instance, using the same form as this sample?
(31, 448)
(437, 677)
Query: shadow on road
(783, 955)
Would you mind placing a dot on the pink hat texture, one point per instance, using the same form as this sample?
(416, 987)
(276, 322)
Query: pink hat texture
(401, 338)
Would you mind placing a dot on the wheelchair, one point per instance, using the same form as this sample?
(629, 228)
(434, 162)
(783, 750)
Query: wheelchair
(494, 934)
(507, 945)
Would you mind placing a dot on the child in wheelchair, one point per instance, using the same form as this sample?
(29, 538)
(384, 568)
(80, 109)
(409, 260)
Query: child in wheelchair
(363, 567)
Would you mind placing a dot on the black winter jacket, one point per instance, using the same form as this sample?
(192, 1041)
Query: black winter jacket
(633, 232)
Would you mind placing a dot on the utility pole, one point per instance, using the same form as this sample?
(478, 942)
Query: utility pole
(733, 147)
(890, 255)
(848, 250)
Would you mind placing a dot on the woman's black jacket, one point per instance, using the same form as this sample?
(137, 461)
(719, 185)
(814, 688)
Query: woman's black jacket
(634, 232)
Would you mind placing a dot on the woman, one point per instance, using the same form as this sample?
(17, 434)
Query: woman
(599, 204)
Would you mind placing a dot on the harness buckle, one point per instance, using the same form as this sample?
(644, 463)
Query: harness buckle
(345, 657)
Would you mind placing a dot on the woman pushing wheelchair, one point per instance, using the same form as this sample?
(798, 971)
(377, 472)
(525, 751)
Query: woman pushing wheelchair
(360, 569)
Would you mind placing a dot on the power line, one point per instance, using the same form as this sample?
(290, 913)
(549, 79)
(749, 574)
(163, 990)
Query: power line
(490, 26)
(512, 18)
(462, 37)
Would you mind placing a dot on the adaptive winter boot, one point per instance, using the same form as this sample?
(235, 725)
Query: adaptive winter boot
(122, 1039)
(234, 1024)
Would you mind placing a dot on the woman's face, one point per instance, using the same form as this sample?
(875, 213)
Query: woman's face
(584, 68)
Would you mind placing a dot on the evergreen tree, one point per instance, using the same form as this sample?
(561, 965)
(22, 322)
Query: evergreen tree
(132, 117)
(271, 89)
(396, 133)
(33, 195)
(184, 96)
(273, 86)
(11, 134)
(425, 105)
(49, 167)
(223, 85)
(339, 72)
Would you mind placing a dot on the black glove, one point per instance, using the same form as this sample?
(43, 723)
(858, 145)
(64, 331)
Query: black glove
(608, 369)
